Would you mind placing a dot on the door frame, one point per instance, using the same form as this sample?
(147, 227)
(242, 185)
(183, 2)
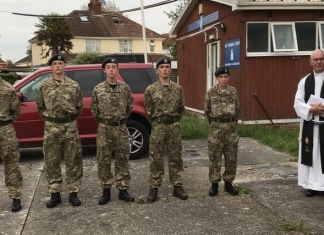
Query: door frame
(213, 61)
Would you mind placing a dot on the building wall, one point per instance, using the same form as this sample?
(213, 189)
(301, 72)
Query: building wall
(36, 55)
(107, 46)
(138, 46)
(3, 66)
(191, 54)
(271, 79)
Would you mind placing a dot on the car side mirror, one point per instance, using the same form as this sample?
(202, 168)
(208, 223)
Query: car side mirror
(20, 96)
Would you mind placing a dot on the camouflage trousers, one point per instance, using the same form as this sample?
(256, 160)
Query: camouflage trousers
(113, 142)
(62, 139)
(222, 140)
(165, 137)
(9, 153)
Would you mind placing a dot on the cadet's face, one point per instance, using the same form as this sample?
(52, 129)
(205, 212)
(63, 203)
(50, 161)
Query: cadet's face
(111, 70)
(222, 79)
(317, 61)
(58, 67)
(164, 70)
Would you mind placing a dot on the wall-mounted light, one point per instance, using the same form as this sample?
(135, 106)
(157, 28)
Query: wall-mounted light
(182, 46)
(200, 9)
(222, 27)
(211, 36)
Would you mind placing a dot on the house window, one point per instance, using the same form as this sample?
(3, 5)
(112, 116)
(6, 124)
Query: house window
(92, 45)
(258, 39)
(83, 17)
(125, 46)
(152, 45)
(116, 20)
(283, 37)
(273, 38)
(321, 35)
(306, 36)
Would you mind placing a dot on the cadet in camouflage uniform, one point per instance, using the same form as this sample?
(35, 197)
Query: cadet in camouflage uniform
(9, 150)
(164, 105)
(59, 102)
(221, 111)
(111, 105)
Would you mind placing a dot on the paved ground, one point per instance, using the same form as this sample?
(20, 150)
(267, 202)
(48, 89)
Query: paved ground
(275, 199)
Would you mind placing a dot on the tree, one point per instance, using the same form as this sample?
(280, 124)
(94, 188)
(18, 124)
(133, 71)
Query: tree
(87, 58)
(173, 51)
(174, 15)
(54, 34)
(110, 6)
(29, 50)
(10, 64)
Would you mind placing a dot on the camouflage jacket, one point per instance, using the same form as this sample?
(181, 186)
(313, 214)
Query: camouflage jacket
(164, 100)
(9, 102)
(59, 100)
(223, 104)
(111, 104)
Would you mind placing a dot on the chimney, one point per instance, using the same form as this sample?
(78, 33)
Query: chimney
(95, 6)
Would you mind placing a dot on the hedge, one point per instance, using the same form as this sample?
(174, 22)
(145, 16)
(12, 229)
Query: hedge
(10, 77)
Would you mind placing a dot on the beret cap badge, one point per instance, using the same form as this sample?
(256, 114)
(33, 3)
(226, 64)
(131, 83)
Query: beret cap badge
(164, 60)
(56, 57)
(222, 70)
(109, 60)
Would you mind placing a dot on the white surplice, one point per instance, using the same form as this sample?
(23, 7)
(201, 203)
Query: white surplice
(309, 177)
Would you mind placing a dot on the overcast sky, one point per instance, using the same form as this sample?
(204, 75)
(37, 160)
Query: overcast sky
(15, 30)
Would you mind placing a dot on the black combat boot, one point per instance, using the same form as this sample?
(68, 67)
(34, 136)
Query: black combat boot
(213, 191)
(179, 192)
(123, 195)
(74, 200)
(16, 205)
(230, 189)
(105, 198)
(54, 201)
(153, 194)
(311, 193)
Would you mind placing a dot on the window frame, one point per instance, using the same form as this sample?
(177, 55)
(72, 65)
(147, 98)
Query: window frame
(129, 45)
(284, 52)
(96, 45)
(152, 45)
(294, 37)
(320, 33)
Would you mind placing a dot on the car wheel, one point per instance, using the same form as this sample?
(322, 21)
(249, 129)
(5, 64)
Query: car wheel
(139, 138)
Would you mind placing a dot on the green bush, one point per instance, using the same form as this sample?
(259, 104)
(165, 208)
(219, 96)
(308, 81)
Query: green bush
(86, 58)
(10, 77)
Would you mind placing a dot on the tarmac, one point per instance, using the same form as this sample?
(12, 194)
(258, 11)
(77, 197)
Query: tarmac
(269, 203)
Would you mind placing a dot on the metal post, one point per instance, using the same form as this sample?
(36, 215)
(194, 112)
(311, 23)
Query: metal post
(144, 32)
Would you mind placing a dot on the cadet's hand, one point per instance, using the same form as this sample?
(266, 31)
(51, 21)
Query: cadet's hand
(317, 109)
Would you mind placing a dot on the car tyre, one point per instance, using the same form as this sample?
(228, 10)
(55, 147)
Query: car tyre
(139, 138)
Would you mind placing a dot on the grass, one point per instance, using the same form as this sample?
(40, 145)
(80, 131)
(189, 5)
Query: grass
(294, 226)
(284, 138)
(193, 127)
(244, 190)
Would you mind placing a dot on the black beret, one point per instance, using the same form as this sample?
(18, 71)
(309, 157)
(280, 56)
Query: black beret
(56, 57)
(222, 70)
(109, 60)
(164, 60)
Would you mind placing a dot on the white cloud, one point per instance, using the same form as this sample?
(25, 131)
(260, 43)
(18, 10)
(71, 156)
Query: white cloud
(17, 30)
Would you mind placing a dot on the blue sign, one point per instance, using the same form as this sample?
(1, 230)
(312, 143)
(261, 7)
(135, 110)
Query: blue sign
(232, 53)
(203, 21)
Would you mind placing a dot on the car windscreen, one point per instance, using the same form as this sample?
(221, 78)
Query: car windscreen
(138, 79)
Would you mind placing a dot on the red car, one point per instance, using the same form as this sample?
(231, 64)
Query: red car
(30, 126)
